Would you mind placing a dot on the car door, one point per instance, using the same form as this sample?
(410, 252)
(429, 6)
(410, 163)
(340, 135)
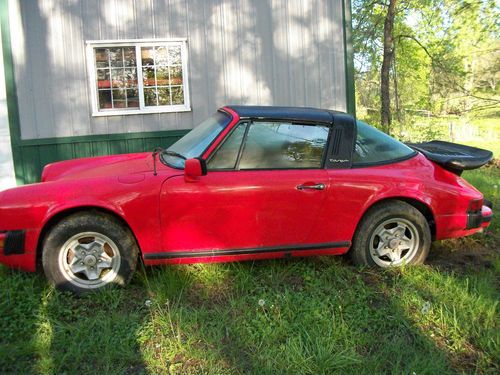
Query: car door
(263, 190)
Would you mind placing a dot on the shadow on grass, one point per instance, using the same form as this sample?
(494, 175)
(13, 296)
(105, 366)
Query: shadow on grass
(307, 316)
(297, 316)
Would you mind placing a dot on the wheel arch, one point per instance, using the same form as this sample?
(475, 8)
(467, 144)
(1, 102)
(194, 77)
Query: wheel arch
(61, 215)
(421, 206)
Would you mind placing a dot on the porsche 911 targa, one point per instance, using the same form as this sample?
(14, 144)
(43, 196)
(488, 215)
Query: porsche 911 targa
(247, 183)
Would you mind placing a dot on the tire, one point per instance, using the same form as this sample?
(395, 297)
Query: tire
(89, 251)
(391, 234)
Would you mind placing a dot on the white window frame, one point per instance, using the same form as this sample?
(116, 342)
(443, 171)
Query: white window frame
(137, 43)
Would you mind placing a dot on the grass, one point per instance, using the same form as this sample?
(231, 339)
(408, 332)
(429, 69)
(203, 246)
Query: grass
(299, 316)
(296, 316)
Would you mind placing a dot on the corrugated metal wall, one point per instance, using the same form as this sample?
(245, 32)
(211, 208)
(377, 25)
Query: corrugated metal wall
(272, 52)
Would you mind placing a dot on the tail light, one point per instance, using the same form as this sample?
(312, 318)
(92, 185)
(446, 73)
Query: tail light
(475, 205)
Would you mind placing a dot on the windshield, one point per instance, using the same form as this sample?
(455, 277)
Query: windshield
(194, 143)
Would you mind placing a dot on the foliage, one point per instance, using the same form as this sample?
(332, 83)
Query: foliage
(447, 57)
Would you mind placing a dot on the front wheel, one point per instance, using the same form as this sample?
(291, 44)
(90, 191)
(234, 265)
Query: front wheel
(89, 251)
(391, 234)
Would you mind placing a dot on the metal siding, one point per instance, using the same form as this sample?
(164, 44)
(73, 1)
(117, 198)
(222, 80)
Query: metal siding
(273, 52)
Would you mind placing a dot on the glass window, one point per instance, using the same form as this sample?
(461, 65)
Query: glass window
(227, 155)
(139, 77)
(275, 145)
(116, 78)
(194, 143)
(374, 146)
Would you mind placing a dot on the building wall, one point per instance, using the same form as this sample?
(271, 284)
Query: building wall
(7, 179)
(268, 52)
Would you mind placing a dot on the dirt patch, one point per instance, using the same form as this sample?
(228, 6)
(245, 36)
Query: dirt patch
(463, 254)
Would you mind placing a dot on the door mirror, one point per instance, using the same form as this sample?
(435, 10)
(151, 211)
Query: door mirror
(194, 168)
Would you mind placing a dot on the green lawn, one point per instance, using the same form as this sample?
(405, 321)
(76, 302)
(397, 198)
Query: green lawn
(297, 316)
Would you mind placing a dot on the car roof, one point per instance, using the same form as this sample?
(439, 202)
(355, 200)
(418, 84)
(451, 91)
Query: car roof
(285, 113)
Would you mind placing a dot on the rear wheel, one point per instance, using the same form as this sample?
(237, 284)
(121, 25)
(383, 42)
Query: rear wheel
(391, 234)
(89, 251)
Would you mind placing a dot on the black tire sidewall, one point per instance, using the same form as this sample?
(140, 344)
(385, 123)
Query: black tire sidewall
(360, 252)
(88, 222)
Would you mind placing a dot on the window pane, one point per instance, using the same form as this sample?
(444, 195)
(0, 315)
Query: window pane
(147, 54)
(129, 54)
(118, 78)
(105, 99)
(163, 96)
(177, 95)
(150, 97)
(103, 80)
(101, 58)
(283, 146)
(148, 76)
(174, 55)
(132, 99)
(161, 57)
(130, 77)
(162, 76)
(116, 57)
(227, 154)
(175, 75)
(374, 146)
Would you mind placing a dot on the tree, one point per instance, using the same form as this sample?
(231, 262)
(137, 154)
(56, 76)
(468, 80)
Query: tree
(388, 57)
(440, 56)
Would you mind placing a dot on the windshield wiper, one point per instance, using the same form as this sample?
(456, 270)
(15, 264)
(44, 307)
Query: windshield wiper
(160, 150)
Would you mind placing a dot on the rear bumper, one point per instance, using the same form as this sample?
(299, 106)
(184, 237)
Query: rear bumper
(13, 251)
(461, 225)
(481, 219)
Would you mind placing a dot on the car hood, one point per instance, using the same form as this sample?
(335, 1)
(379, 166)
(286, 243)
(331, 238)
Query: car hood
(101, 166)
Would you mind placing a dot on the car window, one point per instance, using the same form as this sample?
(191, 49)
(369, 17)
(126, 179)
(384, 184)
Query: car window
(277, 145)
(373, 146)
(197, 140)
(227, 154)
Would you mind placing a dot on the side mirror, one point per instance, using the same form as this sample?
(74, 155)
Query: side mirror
(194, 168)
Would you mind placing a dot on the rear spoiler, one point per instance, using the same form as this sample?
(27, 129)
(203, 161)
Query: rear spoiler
(453, 156)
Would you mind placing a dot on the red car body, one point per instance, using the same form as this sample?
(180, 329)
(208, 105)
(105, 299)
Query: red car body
(231, 215)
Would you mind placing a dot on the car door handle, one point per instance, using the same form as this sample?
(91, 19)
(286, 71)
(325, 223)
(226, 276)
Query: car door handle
(314, 187)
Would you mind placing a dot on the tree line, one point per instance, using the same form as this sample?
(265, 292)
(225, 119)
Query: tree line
(438, 57)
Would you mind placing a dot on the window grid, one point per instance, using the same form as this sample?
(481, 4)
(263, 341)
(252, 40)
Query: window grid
(127, 78)
(110, 69)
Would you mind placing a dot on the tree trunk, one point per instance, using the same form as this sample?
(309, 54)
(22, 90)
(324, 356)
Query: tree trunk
(385, 94)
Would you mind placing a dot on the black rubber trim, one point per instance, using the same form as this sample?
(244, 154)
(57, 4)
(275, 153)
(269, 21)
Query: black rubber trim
(258, 250)
(474, 220)
(385, 162)
(14, 242)
(203, 165)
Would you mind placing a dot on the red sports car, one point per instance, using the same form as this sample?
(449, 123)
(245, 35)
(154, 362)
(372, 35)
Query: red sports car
(247, 183)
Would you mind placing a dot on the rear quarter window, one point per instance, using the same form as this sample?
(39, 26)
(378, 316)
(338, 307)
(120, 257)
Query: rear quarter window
(375, 147)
